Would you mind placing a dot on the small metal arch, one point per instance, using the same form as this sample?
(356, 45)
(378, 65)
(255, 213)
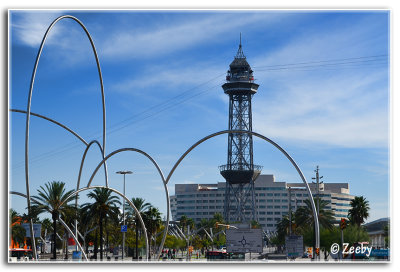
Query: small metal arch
(129, 202)
(316, 219)
(28, 111)
(162, 178)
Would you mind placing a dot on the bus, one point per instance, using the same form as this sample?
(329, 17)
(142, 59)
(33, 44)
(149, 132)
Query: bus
(223, 255)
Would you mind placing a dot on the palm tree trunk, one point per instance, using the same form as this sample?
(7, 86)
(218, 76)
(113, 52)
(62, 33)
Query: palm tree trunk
(137, 238)
(54, 217)
(66, 245)
(101, 236)
(96, 245)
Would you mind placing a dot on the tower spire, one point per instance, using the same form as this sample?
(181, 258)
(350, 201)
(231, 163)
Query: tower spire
(240, 54)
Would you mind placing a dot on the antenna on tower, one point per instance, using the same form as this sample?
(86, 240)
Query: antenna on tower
(240, 54)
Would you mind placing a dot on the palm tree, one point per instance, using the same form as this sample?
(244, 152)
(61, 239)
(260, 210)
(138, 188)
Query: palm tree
(53, 199)
(142, 207)
(152, 221)
(304, 216)
(86, 223)
(359, 210)
(104, 206)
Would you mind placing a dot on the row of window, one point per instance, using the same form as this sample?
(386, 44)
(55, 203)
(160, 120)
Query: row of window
(285, 207)
(270, 188)
(272, 200)
(272, 194)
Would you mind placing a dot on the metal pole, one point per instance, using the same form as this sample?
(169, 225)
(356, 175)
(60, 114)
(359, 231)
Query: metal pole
(290, 211)
(123, 211)
(123, 219)
(342, 240)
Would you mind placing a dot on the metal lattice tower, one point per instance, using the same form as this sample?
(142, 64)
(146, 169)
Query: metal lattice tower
(240, 172)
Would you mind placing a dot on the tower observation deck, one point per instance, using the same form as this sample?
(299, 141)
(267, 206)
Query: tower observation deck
(240, 171)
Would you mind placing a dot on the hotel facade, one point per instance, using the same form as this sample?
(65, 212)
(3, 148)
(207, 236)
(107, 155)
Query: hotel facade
(198, 201)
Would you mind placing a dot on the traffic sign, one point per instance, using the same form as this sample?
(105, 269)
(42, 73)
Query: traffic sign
(124, 228)
(36, 229)
(294, 245)
(244, 240)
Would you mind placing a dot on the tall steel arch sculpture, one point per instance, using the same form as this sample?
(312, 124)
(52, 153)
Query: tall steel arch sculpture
(28, 110)
(316, 221)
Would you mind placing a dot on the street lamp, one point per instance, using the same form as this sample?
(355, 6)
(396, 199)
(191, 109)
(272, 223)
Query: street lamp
(123, 210)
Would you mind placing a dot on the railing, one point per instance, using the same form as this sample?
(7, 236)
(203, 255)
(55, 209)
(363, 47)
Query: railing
(240, 167)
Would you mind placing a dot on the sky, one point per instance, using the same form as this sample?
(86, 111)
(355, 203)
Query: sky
(323, 96)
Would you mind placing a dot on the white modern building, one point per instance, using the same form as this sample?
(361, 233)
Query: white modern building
(376, 232)
(199, 201)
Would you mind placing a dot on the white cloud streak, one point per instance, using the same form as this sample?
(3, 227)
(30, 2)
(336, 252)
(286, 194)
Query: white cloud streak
(178, 36)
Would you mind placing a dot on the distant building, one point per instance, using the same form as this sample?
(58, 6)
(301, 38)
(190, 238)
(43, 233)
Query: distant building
(199, 201)
(376, 232)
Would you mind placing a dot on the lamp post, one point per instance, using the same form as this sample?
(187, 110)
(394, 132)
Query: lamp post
(123, 211)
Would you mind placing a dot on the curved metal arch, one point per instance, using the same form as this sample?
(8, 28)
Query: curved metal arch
(61, 221)
(129, 202)
(30, 100)
(55, 122)
(162, 178)
(80, 173)
(316, 219)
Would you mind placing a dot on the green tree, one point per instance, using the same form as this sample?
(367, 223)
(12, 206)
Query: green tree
(18, 234)
(152, 218)
(142, 206)
(359, 210)
(386, 235)
(304, 216)
(104, 205)
(53, 199)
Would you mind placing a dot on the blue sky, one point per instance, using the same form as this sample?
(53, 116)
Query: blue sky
(323, 96)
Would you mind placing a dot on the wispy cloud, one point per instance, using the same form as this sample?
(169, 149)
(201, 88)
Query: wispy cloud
(171, 76)
(30, 27)
(178, 35)
(336, 111)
